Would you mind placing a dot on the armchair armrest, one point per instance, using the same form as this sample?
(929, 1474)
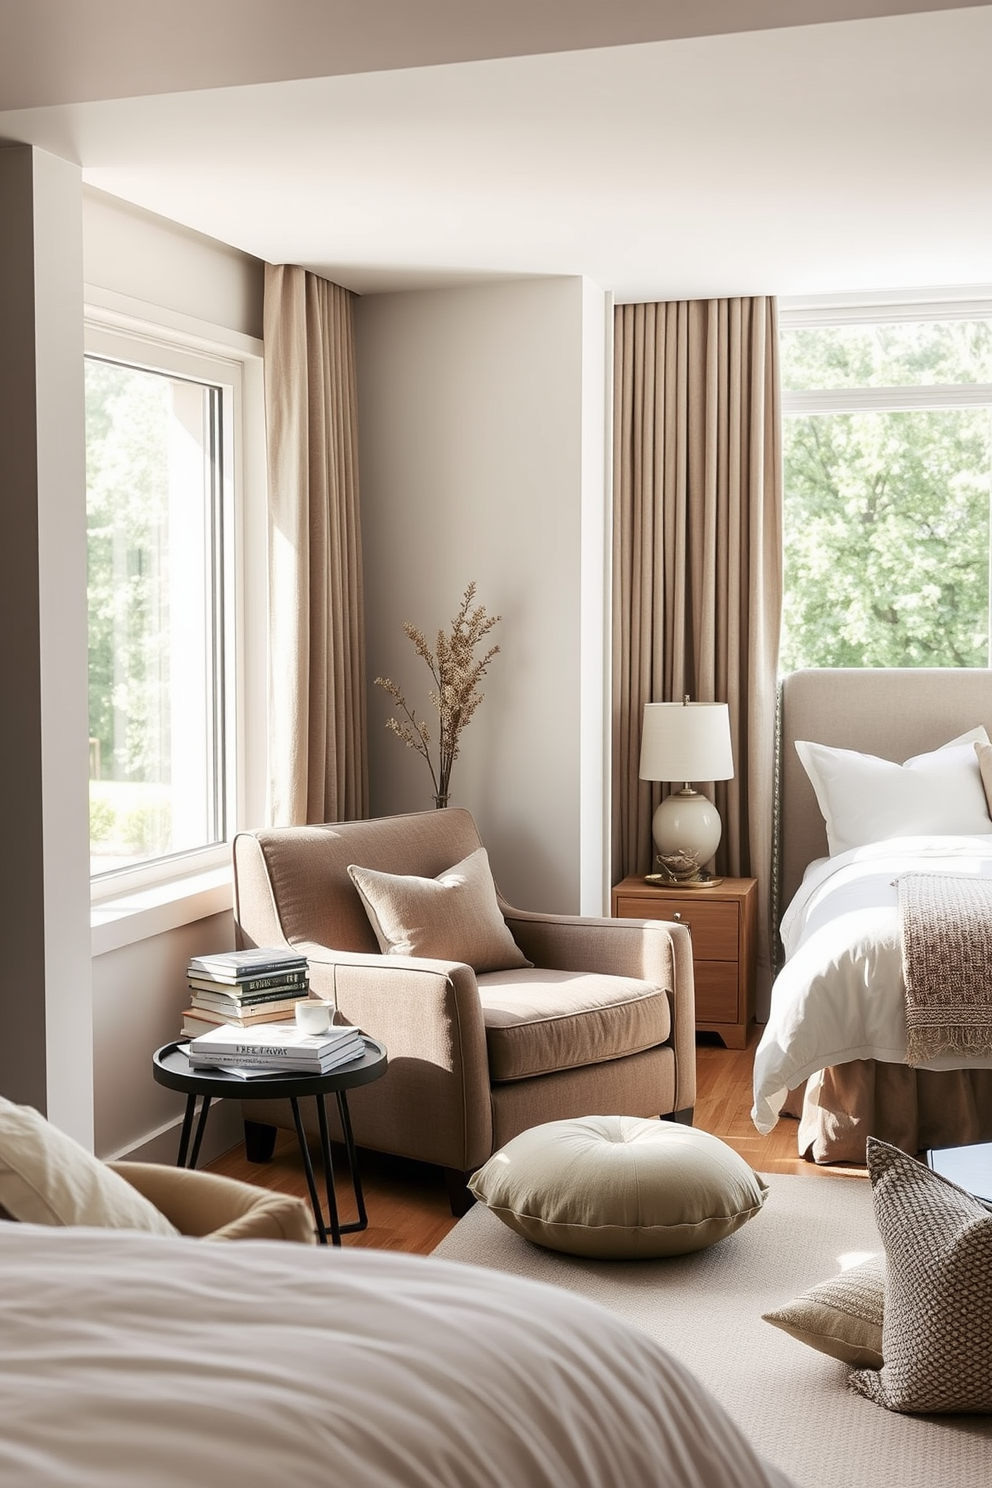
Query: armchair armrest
(429, 1016)
(212, 1207)
(656, 952)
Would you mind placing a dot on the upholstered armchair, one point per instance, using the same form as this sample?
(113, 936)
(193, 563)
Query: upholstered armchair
(601, 1023)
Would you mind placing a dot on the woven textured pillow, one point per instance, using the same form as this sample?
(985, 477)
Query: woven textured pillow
(47, 1178)
(454, 917)
(619, 1187)
(841, 1317)
(937, 1332)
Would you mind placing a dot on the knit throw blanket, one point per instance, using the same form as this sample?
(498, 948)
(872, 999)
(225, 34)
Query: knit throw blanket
(947, 965)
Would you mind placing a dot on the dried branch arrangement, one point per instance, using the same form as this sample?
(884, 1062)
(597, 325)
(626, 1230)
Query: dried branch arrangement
(457, 673)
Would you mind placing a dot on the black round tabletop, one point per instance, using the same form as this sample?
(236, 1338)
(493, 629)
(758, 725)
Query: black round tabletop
(171, 1068)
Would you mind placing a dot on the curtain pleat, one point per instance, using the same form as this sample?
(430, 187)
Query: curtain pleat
(697, 561)
(317, 710)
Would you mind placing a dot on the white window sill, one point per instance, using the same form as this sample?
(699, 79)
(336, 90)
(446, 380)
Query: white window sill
(142, 913)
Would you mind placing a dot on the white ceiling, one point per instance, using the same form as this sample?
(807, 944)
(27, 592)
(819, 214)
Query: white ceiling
(842, 156)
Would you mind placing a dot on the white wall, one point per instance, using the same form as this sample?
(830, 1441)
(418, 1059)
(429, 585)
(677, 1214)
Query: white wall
(149, 259)
(477, 463)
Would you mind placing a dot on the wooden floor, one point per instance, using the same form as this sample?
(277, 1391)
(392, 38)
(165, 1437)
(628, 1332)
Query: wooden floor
(407, 1201)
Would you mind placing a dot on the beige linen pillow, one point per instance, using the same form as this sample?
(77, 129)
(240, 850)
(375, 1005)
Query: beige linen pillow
(454, 917)
(984, 752)
(841, 1317)
(47, 1178)
(937, 1331)
(619, 1187)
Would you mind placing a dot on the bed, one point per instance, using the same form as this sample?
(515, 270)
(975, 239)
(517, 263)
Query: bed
(834, 1049)
(144, 1361)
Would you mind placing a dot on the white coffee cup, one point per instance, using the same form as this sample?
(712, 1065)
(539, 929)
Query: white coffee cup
(313, 1016)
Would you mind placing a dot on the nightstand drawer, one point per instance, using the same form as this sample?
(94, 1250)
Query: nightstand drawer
(722, 923)
(716, 991)
(713, 926)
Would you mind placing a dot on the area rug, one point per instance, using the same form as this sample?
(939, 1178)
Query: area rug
(706, 1309)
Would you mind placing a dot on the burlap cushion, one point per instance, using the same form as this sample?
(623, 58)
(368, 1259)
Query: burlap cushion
(841, 1317)
(937, 1332)
(454, 917)
(47, 1178)
(619, 1187)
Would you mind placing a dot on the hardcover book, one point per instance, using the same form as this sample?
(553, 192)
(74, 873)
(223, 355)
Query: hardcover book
(253, 986)
(238, 966)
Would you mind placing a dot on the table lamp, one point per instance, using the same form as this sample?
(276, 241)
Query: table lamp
(686, 741)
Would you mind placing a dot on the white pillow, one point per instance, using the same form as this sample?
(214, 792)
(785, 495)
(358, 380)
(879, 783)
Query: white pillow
(865, 799)
(48, 1178)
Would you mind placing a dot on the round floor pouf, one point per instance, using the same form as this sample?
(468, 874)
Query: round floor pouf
(619, 1187)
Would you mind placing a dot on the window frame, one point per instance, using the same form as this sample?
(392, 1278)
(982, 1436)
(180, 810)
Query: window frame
(234, 364)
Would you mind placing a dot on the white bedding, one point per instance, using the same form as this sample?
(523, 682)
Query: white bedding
(840, 995)
(140, 1361)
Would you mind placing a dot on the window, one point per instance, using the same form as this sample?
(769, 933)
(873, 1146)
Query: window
(888, 478)
(160, 507)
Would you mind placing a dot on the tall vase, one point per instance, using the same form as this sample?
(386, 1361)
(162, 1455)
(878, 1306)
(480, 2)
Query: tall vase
(440, 802)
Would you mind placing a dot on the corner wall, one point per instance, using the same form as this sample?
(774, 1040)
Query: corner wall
(44, 904)
(481, 416)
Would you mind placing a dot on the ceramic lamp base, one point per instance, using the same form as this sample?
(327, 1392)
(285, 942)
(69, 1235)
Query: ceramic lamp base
(687, 822)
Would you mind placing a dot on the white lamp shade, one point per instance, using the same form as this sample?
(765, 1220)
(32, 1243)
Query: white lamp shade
(686, 741)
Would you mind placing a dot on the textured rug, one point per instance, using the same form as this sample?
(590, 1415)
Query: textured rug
(706, 1308)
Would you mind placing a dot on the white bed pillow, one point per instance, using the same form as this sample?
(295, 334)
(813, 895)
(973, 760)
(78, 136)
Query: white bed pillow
(865, 799)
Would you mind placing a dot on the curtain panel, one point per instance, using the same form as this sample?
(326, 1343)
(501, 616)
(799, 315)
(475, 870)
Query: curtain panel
(697, 563)
(317, 711)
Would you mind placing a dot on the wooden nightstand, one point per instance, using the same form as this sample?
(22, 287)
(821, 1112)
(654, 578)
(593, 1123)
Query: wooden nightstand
(722, 922)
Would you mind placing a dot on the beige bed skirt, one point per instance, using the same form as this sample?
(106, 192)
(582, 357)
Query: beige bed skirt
(912, 1109)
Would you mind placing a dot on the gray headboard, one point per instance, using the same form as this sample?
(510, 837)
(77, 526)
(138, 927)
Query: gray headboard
(892, 712)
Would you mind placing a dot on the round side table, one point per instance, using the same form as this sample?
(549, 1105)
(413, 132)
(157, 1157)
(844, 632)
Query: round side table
(171, 1068)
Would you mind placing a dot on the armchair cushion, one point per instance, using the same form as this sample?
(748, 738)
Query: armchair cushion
(539, 1021)
(453, 917)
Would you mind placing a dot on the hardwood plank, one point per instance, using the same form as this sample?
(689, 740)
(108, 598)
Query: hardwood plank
(407, 1201)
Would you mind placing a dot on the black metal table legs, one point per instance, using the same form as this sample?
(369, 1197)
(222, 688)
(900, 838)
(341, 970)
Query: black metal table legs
(337, 1229)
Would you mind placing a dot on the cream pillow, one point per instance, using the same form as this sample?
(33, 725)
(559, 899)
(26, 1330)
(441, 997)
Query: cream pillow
(984, 753)
(47, 1178)
(454, 917)
(865, 799)
(842, 1316)
(619, 1187)
(937, 1331)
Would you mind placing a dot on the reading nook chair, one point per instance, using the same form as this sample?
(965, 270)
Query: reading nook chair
(494, 1019)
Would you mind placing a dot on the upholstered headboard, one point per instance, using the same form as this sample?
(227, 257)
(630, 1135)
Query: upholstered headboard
(892, 712)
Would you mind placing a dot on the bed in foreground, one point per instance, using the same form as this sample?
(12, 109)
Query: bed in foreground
(838, 1018)
(139, 1361)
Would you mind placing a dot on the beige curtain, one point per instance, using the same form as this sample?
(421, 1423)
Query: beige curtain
(318, 753)
(697, 589)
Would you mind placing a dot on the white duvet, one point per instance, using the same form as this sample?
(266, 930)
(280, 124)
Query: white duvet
(142, 1361)
(840, 994)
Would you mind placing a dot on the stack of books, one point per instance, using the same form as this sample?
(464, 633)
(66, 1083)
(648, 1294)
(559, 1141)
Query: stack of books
(275, 1048)
(244, 988)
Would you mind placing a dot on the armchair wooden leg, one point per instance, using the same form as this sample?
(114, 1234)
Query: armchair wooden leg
(684, 1118)
(460, 1196)
(260, 1141)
